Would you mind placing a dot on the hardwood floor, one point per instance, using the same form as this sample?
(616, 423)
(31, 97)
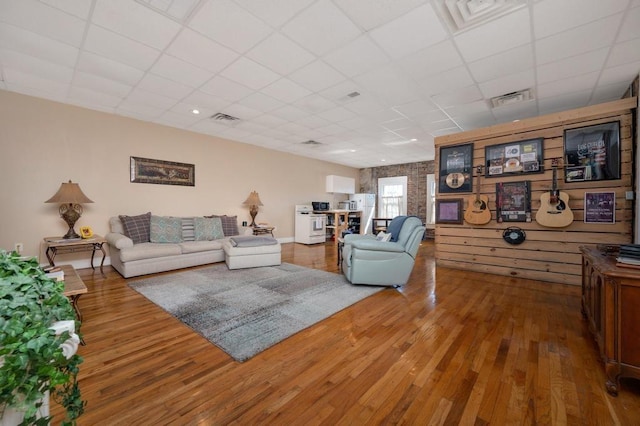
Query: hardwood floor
(451, 347)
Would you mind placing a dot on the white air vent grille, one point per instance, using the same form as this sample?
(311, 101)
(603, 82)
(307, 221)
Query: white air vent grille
(311, 142)
(462, 15)
(511, 98)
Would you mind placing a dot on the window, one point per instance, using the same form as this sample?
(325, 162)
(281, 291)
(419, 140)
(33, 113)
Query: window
(392, 196)
(431, 201)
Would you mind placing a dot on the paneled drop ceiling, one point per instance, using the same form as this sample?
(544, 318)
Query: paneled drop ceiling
(372, 82)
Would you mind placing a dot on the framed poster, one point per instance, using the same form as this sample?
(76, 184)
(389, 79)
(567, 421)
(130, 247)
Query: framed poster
(147, 170)
(514, 158)
(455, 174)
(513, 201)
(600, 207)
(592, 153)
(449, 211)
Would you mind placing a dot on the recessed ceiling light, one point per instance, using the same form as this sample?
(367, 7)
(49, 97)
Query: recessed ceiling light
(352, 150)
(195, 111)
(383, 160)
(413, 140)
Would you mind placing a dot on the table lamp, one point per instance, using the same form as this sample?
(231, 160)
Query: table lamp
(70, 196)
(253, 200)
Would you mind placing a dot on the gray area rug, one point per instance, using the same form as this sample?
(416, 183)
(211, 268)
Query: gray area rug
(245, 311)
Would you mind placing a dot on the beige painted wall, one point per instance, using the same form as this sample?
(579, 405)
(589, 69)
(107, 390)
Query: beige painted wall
(46, 143)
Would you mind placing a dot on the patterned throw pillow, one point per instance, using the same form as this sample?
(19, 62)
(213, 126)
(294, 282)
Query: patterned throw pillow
(165, 229)
(137, 227)
(229, 225)
(208, 229)
(188, 230)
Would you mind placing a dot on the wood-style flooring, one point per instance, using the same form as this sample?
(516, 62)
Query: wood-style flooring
(451, 347)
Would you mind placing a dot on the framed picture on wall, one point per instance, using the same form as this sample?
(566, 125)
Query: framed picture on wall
(600, 207)
(513, 201)
(455, 173)
(449, 211)
(514, 158)
(592, 152)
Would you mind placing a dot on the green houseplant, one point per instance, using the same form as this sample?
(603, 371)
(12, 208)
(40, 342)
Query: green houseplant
(32, 362)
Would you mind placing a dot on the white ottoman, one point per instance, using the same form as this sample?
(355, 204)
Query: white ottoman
(251, 252)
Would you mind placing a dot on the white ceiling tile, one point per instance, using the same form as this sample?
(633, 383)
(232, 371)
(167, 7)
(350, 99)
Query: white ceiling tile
(389, 84)
(36, 67)
(270, 121)
(33, 44)
(155, 83)
(260, 102)
(620, 73)
(294, 128)
(337, 114)
(226, 89)
(171, 118)
(625, 52)
(432, 60)
(608, 93)
(280, 54)
(464, 95)
(208, 127)
(274, 12)
(630, 28)
(142, 97)
(31, 84)
(221, 20)
(139, 111)
(250, 74)
(447, 81)
(340, 92)
(317, 76)
(42, 19)
(578, 40)
(313, 122)
(370, 14)
(180, 71)
(472, 108)
(286, 90)
(416, 108)
(125, 17)
(241, 111)
(357, 57)
(100, 84)
(476, 121)
(508, 83)
(571, 66)
(366, 107)
(321, 28)
(409, 33)
(501, 64)
(315, 104)
(186, 108)
(201, 51)
(89, 97)
(568, 85)
(492, 38)
(79, 8)
(565, 102)
(289, 113)
(356, 123)
(551, 17)
(207, 104)
(104, 67)
(119, 48)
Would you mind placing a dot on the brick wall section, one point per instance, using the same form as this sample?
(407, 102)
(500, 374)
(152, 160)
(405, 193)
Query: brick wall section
(416, 183)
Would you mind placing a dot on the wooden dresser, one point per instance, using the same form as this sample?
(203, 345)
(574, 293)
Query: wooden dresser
(611, 304)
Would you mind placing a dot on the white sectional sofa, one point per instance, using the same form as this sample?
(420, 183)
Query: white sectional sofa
(173, 243)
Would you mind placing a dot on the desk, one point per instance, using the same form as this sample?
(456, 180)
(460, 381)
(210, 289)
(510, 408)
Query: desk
(261, 230)
(55, 245)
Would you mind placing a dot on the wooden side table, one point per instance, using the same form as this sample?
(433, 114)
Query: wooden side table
(261, 230)
(55, 245)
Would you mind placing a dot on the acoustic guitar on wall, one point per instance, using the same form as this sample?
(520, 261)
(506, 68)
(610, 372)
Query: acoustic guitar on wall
(477, 212)
(554, 209)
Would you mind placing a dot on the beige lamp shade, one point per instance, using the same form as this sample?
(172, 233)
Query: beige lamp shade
(70, 196)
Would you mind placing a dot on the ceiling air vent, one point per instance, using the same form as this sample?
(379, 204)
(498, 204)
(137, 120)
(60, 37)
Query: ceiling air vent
(311, 142)
(224, 117)
(462, 15)
(511, 98)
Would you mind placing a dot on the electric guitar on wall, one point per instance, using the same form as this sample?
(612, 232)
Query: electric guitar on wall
(554, 209)
(477, 212)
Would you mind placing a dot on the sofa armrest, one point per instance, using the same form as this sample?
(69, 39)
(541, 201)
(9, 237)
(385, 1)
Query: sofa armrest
(373, 245)
(118, 241)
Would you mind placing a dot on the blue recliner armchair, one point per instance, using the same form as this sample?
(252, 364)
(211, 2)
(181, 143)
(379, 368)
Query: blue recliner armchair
(368, 261)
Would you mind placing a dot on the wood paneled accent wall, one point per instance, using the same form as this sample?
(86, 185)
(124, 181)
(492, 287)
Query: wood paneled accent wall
(548, 254)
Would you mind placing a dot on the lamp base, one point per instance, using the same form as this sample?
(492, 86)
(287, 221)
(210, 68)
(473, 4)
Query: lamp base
(253, 212)
(71, 234)
(70, 214)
